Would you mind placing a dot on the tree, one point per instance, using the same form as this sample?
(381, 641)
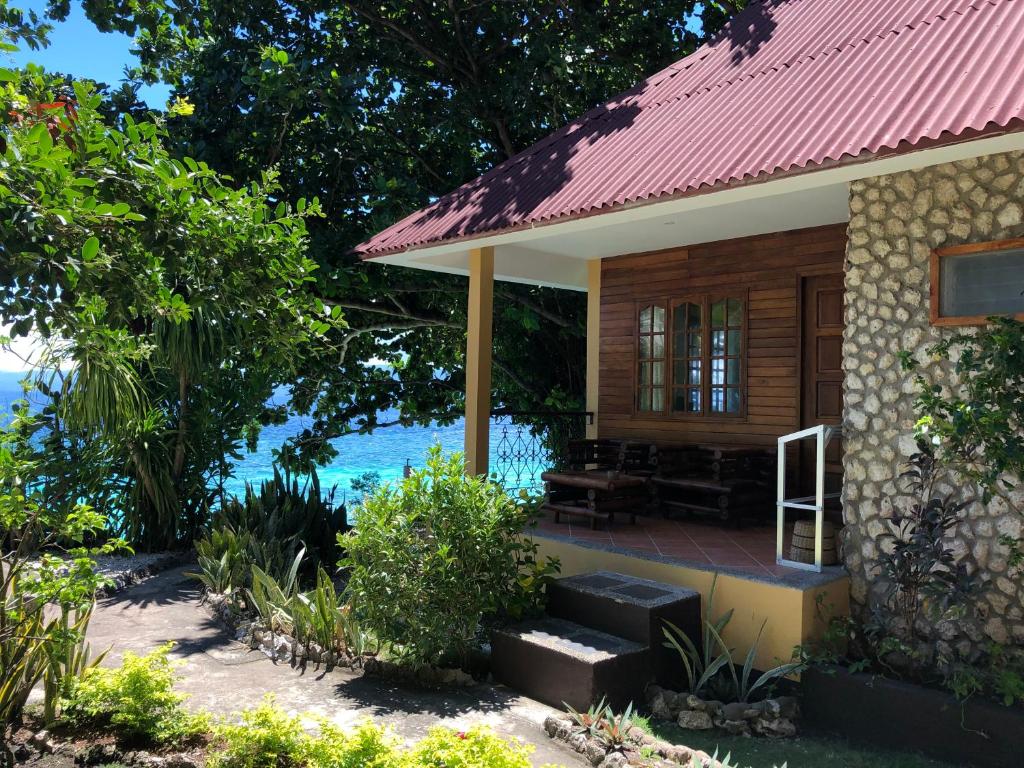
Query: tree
(173, 305)
(376, 108)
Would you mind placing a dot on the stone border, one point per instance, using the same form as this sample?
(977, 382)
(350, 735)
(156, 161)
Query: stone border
(640, 748)
(89, 754)
(773, 718)
(122, 580)
(282, 647)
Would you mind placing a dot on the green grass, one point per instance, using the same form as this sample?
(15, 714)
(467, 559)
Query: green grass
(799, 752)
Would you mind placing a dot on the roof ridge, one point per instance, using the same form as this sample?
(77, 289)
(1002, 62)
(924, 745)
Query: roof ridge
(972, 5)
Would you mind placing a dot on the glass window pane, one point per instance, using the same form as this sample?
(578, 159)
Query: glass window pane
(733, 400)
(658, 402)
(659, 373)
(693, 311)
(679, 344)
(718, 399)
(645, 320)
(659, 320)
(659, 345)
(645, 374)
(645, 399)
(718, 342)
(982, 284)
(732, 375)
(735, 312)
(718, 314)
(679, 372)
(694, 401)
(645, 347)
(694, 372)
(695, 342)
(678, 399)
(718, 371)
(734, 342)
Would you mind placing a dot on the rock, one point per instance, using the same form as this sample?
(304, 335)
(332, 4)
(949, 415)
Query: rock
(782, 706)
(777, 728)
(695, 703)
(694, 720)
(738, 711)
(43, 741)
(578, 742)
(736, 727)
(594, 751)
(677, 753)
(556, 726)
(660, 708)
(614, 760)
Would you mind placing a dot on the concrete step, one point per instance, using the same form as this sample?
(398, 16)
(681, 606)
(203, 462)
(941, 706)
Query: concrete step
(559, 662)
(632, 608)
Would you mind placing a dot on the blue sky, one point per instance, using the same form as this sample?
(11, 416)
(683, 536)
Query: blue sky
(78, 48)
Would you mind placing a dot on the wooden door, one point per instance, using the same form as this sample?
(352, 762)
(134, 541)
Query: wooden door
(821, 395)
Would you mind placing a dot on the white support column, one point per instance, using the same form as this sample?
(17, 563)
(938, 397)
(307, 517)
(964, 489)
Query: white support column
(593, 343)
(478, 359)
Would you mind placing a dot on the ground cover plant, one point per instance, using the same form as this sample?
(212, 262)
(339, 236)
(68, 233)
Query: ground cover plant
(432, 558)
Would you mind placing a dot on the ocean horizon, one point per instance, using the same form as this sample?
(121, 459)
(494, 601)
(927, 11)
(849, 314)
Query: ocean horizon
(384, 451)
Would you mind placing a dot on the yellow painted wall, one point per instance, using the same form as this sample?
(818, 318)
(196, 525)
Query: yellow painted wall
(790, 612)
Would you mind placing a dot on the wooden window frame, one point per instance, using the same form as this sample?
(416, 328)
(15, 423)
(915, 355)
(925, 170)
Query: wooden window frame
(653, 304)
(703, 299)
(935, 279)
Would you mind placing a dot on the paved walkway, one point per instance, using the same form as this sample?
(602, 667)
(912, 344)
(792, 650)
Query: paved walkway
(224, 676)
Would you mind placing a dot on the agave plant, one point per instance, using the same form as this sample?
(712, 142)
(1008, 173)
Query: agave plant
(742, 685)
(613, 730)
(275, 601)
(701, 665)
(590, 721)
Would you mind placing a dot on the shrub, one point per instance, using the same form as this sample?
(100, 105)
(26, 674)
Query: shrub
(478, 747)
(266, 737)
(434, 556)
(136, 699)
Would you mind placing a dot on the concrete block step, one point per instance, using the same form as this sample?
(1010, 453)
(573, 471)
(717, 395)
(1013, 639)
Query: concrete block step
(559, 662)
(632, 608)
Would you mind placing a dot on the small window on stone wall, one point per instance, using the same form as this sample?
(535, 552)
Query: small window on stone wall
(972, 282)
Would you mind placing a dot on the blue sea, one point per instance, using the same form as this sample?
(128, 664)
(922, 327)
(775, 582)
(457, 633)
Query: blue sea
(385, 451)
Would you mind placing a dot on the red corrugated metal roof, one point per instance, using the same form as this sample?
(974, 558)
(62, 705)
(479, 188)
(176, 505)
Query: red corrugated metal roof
(788, 85)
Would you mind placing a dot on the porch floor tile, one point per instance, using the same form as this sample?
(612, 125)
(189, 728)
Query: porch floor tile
(749, 549)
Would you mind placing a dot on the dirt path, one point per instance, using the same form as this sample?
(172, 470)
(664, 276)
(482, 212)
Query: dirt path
(224, 676)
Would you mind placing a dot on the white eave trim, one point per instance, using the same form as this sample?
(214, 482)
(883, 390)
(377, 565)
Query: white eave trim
(797, 182)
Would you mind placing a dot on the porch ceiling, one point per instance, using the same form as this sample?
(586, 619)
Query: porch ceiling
(555, 254)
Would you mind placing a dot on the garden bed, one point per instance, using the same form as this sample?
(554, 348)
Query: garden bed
(635, 747)
(890, 713)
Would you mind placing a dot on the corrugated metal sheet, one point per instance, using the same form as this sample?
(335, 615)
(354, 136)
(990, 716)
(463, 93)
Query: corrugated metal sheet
(788, 86)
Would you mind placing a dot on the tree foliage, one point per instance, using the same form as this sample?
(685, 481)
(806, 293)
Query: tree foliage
(173, 304)
(378, 107)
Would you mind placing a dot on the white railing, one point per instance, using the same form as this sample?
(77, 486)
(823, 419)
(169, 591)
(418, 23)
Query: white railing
(822, 434)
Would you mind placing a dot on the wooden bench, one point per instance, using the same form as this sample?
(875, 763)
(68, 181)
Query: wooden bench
(727, 482)
(604, 477)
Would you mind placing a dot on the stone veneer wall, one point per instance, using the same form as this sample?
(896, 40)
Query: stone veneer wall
(895, 222)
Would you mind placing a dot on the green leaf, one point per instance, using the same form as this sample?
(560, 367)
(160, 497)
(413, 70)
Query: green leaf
(90, 248)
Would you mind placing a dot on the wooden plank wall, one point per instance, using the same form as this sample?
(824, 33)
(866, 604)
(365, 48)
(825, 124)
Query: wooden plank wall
(769, 267)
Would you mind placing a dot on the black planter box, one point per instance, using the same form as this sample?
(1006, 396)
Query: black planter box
(896, 715)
